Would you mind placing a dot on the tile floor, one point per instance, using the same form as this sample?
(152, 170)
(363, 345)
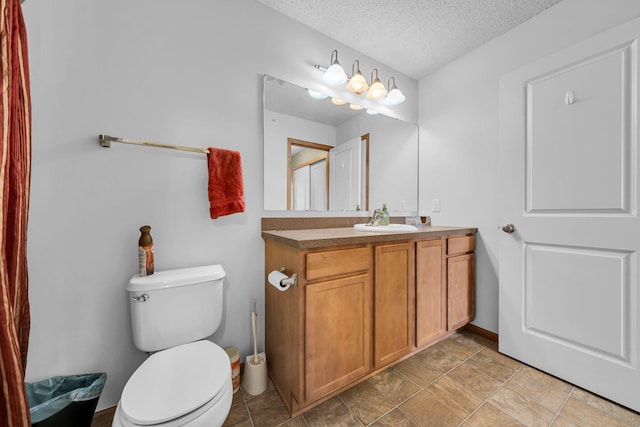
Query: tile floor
(461, 381)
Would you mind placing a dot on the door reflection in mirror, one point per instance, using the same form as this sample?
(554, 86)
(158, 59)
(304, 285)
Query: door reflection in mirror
(308, 175)
(314, 185)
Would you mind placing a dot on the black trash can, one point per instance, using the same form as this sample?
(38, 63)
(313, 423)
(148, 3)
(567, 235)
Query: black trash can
(62, 401)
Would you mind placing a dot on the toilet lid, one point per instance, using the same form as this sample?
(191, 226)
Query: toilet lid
(175, 382)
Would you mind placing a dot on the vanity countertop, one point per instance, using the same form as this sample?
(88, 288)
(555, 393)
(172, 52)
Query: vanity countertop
(325, 237)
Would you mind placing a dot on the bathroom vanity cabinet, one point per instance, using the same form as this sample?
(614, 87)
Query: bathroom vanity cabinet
(337, 318)
(363, 302)
(431, 291)
(460, 281)
(393, 308)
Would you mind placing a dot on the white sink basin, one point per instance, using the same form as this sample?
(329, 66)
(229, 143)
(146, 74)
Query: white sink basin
(391, 228)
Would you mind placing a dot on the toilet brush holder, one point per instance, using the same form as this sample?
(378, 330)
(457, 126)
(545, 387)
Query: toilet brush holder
(254, 380)
(255, 377)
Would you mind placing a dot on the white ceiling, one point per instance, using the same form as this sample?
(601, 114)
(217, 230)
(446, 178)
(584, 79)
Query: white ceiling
(414, 37)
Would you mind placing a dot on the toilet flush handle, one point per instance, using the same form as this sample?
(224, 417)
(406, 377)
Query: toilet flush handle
(140, 298)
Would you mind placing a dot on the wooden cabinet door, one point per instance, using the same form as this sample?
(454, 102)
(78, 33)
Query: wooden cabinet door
(431, 292)
(338, 334)
(461, 290)
(393, 304)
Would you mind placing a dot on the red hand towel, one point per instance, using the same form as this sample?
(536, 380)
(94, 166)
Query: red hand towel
(226, 192)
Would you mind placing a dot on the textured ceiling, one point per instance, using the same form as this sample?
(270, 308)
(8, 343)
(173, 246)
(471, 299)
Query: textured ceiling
(415, 37)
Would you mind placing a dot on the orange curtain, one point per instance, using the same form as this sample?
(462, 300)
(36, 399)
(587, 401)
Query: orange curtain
(15, 174)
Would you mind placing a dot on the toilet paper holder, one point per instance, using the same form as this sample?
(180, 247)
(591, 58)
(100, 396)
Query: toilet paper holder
(291, 281)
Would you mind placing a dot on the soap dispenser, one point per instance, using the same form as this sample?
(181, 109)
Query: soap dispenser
(384, 220)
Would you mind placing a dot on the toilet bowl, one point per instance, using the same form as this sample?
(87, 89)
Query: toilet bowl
(187, 379)
(188, 384)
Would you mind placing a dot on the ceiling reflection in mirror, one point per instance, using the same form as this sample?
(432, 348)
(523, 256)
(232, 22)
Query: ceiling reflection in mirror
(323, 157)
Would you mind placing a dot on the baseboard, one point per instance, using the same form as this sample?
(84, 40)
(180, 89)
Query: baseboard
(482, 332)
(103, 418)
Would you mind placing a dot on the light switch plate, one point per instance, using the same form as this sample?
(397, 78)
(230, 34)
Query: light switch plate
(435, 205)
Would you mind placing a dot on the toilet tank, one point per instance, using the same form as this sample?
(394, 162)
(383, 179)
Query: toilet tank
(174, 307)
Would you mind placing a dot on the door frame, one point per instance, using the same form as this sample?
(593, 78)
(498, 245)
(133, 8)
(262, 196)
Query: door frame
(307, 144)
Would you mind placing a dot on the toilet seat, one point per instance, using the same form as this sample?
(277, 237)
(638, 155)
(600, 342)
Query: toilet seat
(176, 385)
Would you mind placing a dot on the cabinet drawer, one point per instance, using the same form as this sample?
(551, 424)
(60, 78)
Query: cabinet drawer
(460, 245)
(335, 263)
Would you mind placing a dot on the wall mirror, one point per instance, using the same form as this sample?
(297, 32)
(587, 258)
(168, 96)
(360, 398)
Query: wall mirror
(323, 157)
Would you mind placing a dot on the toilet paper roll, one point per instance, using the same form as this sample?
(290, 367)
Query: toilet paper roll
(275, 278)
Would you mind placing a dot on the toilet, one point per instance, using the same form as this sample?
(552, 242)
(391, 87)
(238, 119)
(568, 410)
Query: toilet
(187, 379)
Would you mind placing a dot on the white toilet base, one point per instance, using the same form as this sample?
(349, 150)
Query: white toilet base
(212, 417)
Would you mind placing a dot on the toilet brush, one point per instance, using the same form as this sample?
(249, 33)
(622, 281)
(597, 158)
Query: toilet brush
(254, 319)
(255, 378)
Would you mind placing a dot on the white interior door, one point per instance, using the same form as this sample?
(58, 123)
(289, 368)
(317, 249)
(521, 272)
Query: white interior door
(301, 189)
(344, 176)
(569, 299)
(318, 186)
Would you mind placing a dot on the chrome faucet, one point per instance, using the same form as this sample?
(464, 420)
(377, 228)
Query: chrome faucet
(376, 217)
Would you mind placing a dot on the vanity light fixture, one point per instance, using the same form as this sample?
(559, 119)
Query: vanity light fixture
(377, 89)
(316, 95)
(371, 112)
(357, 82)
(395, 96)
(334, 75)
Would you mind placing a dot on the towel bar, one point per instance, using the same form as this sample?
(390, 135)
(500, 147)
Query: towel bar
(106, 140)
